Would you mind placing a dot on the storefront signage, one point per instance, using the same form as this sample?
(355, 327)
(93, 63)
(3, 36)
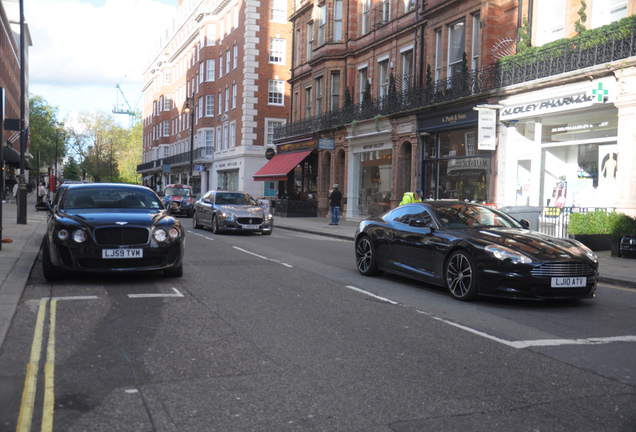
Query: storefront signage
(468, 164)
(447, 120)
(487, 137)
(326, 144)
(580, 100)
(199, 167)
(270, 153)
(579, 127)
(453, 118)
(296, 146)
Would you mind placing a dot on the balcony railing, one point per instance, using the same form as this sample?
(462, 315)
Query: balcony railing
(602, 47)
(199, 154)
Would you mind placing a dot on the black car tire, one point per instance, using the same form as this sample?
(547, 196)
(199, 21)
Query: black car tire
(365, 257)
(191, 213)
(215, 225)
(195, 220)
(49, 271)
(461, 276)
(174, 272)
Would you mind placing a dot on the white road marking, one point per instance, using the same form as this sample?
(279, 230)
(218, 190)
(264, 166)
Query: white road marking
(262, 257)
(74, 298)
(384, 299)
(177, 294)
(200, 235)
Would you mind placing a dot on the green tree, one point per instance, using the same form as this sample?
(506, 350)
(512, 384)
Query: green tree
(130, 154)
(348, 101)
(523, 39)
(71, 170)
(45, 129)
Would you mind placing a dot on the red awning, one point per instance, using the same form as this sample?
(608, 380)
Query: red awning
(279, 166)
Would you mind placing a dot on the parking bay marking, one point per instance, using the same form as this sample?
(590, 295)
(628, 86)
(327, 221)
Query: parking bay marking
(177, 293)
(514, 344)
(262, 257)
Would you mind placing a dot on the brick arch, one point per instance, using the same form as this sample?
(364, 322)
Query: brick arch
(404, 171)
(339, 169)
(325, 172)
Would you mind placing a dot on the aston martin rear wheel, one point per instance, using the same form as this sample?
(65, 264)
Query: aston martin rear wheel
(365, 257)
(461, 276)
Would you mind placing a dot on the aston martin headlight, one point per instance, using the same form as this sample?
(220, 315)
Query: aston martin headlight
(80, 236)
(63, 234)
(161, 235)
(174, 233)
(588, 252)
(503, 253)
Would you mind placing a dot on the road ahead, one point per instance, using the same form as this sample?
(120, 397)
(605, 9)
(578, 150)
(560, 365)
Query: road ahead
(276, 333)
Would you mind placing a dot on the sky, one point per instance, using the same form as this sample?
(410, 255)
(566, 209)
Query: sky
(81, 49)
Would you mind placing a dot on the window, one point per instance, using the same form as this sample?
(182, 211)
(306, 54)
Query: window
(438, 54)
(310, 41)
(235, 57)
(474, 63)
(220, 65)
(201, 75)
(275, 93)
(167, 78)
(167, 104)
(210, 73)
(220, 102)
(366, 16)
(363, 73)
(608, 11)
(209, 105)
(228, 23)
(271, 126)
(456, 48)
(335, 91)
(308, 102)
(318, 95)
(233, 134)
(337, 20)
(322, 21)
(384, 78)
(209, 142)
(550, 20)
(219, 138)
(227, 61)
(234, 90)
(277, 50)
(227, 99)
(166, 128)
(279, 11)
(296, 99)
(225, 137)
(409, 5)
(211, 34)
(386, 11)
(407, 70)
(236, 17)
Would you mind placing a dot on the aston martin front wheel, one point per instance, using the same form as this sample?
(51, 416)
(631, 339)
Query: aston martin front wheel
(461, 276)
(365, 257)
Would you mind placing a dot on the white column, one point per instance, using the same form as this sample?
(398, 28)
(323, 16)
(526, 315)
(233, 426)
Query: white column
(625, 173)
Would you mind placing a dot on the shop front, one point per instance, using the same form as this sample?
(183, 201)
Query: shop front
(454, 166)
(561, 147)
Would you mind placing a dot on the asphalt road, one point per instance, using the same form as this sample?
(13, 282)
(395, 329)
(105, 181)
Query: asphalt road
(280, 333)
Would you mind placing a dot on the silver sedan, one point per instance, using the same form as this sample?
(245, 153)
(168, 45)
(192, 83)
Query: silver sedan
(231, 211)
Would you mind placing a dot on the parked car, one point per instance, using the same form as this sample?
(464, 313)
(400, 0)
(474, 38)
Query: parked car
(102, 227)
(232, 211)
(474, 250)
(628, 246)
(179, 199)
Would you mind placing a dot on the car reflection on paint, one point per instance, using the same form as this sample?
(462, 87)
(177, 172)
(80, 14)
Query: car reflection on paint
(474, 250)
(102, 227)
(232, 211)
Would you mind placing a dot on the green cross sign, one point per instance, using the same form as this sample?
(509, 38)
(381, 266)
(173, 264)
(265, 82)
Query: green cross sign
(600, 92)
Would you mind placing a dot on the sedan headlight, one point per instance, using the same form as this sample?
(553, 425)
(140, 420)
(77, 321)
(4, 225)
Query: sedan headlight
(174, 233)
(588, 252)
(160, 235)
(63, 234)
(503, 253)
(80, 236)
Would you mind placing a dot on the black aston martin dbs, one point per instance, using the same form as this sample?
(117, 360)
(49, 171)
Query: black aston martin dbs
(474, 250)
(102, 227)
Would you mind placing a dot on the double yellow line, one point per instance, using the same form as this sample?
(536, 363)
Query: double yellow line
(30, 383)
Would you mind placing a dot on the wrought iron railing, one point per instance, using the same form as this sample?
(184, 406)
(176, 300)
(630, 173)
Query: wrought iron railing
(198, 154)
(611, 44)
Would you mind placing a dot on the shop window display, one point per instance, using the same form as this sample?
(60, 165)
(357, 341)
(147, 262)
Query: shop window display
(373, 183)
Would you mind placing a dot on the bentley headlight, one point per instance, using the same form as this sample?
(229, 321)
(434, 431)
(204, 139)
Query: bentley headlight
(79, 236)
(503, 253)
(161, 235)
(174, 233)
(63, 234)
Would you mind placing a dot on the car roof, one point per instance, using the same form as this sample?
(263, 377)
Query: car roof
(103, 186)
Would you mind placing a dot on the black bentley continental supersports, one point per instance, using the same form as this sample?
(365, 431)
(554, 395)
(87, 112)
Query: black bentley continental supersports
(474, 250)
(101, 227)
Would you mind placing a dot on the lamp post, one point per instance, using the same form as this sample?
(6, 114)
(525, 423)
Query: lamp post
(190, 110)
(57, 135)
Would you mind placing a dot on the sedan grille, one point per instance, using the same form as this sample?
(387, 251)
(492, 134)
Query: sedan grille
(250, 221)
(121, 236)
(563, 269)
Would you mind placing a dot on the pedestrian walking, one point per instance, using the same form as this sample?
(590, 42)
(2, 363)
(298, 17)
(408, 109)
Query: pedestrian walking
(335, 198)
(410, 197)
(41, 191)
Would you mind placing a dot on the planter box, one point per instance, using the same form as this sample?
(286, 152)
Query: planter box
(596, 242)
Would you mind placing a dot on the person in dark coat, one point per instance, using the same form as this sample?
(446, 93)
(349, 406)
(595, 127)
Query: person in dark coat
(335, 198)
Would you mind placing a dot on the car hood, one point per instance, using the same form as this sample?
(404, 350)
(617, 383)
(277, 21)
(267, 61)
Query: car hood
(242, 210)
(532, 243)
(99, 218)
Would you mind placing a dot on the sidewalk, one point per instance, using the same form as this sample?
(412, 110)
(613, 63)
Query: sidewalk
(18, 257)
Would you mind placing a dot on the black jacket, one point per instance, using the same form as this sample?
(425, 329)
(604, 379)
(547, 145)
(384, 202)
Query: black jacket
(334, 198)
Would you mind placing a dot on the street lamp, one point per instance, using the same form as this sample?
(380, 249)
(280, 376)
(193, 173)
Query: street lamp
(190, 110)
(57, 134)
